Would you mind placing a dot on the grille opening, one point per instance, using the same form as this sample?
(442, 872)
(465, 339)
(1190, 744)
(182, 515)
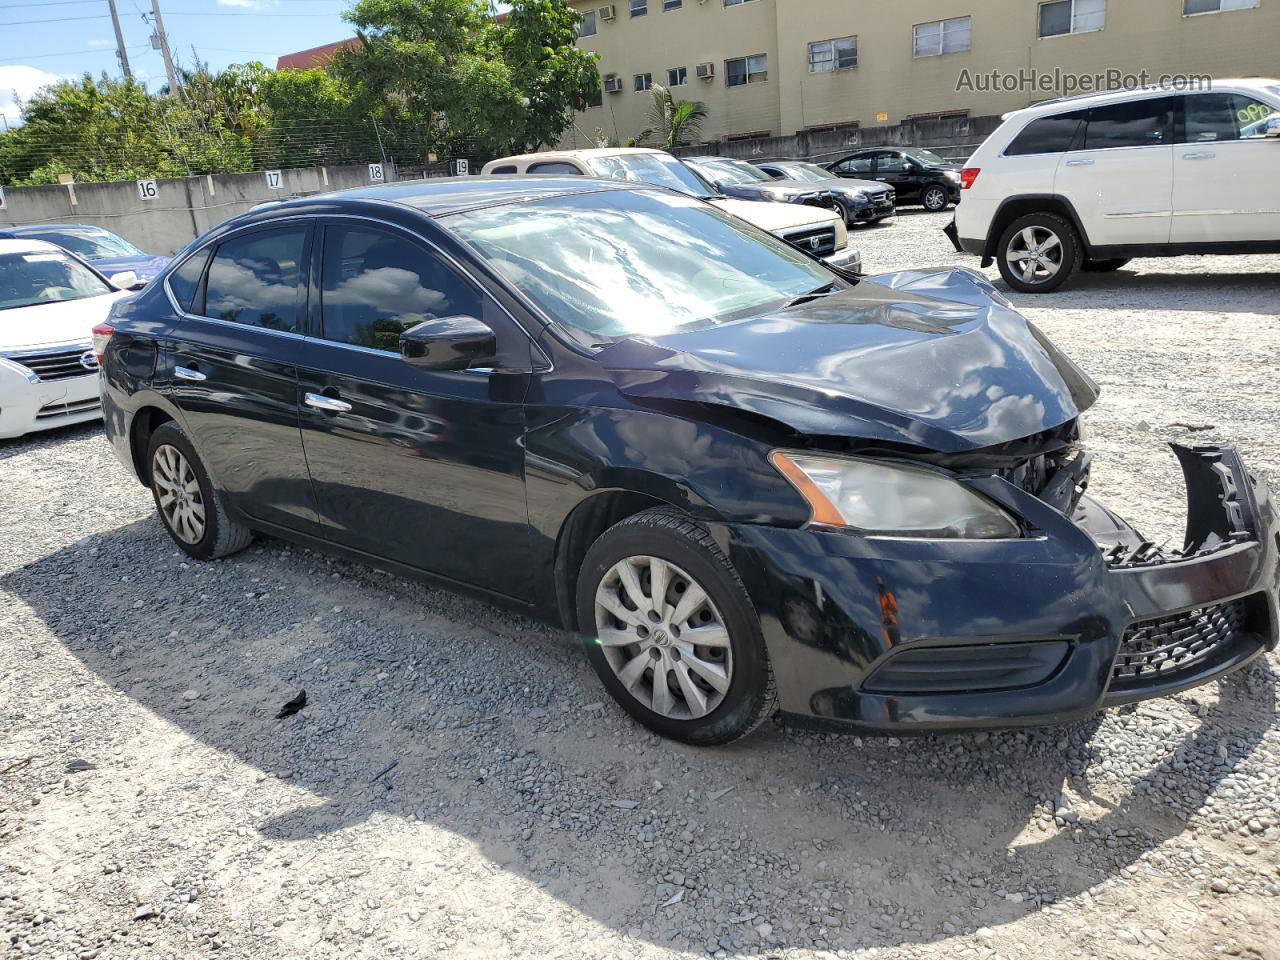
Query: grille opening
(56, 364)
(1161, 648)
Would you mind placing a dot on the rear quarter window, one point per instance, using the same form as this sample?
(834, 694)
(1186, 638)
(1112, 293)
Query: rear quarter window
(505, 168)
(185, 281)
(554, 167)
(1046, 135)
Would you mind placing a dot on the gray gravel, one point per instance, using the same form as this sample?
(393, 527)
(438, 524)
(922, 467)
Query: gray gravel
(458, 784)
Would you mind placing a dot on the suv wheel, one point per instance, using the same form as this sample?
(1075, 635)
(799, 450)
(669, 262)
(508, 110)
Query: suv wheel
(671, 632)
(1038, 252)
(189, 507)
(934, 199)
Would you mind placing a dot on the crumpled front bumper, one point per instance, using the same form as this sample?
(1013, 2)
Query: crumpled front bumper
(901, 634)
(847, 260)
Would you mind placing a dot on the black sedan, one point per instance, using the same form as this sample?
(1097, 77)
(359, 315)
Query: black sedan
(737, 178)
(863, 201)
(748, 483)
(916, 175)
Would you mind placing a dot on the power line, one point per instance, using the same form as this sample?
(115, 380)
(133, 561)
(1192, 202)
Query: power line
(175, 13)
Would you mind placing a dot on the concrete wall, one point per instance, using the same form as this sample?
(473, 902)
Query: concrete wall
(182, 210)
(1150, 35)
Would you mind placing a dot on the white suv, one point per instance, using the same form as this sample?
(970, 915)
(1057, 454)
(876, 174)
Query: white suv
(1091, 182)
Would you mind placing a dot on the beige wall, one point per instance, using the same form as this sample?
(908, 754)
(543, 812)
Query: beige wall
(1150, 35)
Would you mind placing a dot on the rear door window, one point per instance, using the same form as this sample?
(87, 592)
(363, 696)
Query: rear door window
(1047, 135)
(256, 278)
(556, 166)
(1134, 123)
(854, 165)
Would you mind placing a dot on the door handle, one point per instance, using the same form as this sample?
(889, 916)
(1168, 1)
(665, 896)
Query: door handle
(189, 373)
(328, 404)
(1202, 155)
(1080, 163)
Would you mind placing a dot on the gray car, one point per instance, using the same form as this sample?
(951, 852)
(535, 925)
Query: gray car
(863, 201)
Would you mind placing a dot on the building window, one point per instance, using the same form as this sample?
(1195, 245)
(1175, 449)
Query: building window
(828, 55)
(677, 76)
(671, 5)
(742, 70)
(734, 3)
(643, 81)
(743, 137)
(942, 36)
(834, 127)
(639, 8)
(1191, 7)
(587, 25)
(1061, 17)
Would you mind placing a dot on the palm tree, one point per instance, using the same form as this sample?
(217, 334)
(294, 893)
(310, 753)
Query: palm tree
(674, 124)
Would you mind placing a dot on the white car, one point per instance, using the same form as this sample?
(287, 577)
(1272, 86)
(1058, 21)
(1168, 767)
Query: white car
(50, 302)
(1091, 182)
(820, 231)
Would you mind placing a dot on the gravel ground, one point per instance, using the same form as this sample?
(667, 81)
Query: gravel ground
(459, 785)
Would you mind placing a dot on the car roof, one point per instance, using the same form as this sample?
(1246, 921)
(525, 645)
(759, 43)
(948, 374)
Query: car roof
(440, 197)
(582, 154)
(1086, 100)
(44, 227)
(20, 245)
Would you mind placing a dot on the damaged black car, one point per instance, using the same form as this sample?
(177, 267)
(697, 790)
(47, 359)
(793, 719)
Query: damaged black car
(750, 484)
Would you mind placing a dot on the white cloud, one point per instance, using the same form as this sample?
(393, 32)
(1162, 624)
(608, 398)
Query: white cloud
(19, 83)
(99, 42)
(251, 4)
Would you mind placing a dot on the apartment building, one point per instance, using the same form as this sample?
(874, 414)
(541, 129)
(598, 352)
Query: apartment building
(776, 67)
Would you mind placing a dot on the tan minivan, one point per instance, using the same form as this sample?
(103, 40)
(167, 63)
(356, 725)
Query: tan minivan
(816, 230)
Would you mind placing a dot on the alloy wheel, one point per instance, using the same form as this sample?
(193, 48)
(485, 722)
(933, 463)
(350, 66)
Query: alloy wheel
(935, 199)
(663, 637)
(178, 494)
(1036, 254)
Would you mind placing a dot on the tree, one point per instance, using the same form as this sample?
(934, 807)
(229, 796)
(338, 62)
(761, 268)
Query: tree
(445, 75)
(674, 124)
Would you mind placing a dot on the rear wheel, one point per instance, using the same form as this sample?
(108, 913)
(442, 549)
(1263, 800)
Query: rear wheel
(1038, 252)
(671, 632)
(1104, 266)
(186, 500)
(934, 199)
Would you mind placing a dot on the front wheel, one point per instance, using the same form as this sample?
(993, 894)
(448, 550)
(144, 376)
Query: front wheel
(1038, 252)
(671, 632)
(934, 199)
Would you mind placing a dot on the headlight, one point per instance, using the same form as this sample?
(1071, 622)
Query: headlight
(25, 372)
(952, 175)
(891, 499)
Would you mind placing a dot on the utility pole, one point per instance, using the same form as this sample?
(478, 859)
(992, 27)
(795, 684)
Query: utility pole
(124, 57)
(164, 49)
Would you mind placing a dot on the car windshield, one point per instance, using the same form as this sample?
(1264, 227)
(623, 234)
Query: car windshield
(45, 276)
(90, 244)
(658, 169)
(735, 171)
(642, 262)
(804, 171)
(927, 157)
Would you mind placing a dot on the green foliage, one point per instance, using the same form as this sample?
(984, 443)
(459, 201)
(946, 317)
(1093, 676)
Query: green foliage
(675, 124)
(443, 75)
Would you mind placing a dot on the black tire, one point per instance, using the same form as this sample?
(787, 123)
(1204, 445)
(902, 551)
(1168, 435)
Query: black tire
(751, 697)
(935, 199)
(1104, 266)
(220, 536)
(1069, 259)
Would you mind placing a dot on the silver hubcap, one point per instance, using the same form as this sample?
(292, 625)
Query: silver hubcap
(1036, 254)
(178, 493)
(663, 637)
(935, 199)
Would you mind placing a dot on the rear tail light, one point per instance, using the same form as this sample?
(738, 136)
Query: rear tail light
(101, 337)
(968, 175)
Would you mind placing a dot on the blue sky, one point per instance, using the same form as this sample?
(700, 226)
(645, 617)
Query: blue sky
(70, 37)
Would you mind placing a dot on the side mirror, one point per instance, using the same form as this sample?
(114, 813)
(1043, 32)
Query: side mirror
(449, 343)
(126, 280)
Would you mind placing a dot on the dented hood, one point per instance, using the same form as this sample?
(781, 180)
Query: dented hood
(936, 359)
